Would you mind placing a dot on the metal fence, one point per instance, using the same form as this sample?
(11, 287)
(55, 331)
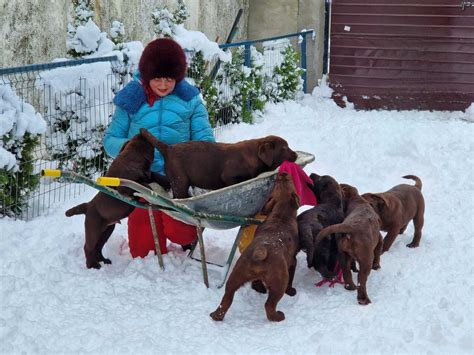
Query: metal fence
(77, 111)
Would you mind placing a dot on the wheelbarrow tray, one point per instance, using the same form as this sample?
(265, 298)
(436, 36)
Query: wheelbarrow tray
(244, 199)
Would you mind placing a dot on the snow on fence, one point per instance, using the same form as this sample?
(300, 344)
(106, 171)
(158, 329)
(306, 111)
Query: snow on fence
(53, 116)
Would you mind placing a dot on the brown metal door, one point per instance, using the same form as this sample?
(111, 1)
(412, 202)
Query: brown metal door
(403, 54)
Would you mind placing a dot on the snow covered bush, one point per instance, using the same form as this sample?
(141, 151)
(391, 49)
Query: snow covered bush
(117, 32)
(239, 92)
(240, 88)
(75, 100)
(282, 71)
(82, 24)
(181, 13)
(86, 40)
(77, 123)
(165, 21)
(20, 127)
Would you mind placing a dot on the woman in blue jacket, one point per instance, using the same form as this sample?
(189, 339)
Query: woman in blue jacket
(160, 100)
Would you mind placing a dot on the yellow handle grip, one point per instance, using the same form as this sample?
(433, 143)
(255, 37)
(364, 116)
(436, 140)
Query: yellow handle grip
(51, 173)
(108, 181)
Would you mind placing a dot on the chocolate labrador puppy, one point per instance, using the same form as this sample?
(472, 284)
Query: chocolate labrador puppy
(328, 211)
(360, 240)
(103, 211)
(211, 165)
(271, 256)
(396, 208)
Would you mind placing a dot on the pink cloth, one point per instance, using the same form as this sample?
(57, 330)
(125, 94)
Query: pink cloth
(301, 181)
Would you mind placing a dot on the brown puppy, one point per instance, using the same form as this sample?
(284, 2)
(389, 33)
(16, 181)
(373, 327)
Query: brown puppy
(103, 211)
(360, 241)
(211, 165)
(396, 208)
(327, 212)
(271, 257)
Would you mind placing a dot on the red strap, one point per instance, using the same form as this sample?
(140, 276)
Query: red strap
(337, 280)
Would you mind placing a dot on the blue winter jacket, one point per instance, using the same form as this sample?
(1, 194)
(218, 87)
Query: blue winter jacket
(178, 117)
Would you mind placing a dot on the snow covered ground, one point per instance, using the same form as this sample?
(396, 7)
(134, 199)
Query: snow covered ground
(50, 302)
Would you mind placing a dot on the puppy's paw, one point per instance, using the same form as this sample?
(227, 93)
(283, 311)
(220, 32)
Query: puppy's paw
(350, 287)
(291, 291)
(93, 265)
(107, 261)
(413, 245)
(278, 316)
(218, 314)
(376, 266)
(363, 301)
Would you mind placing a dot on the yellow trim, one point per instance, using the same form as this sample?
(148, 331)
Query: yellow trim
(108, 181)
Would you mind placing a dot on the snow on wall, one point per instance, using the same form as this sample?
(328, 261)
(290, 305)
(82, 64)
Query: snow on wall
(33, 39)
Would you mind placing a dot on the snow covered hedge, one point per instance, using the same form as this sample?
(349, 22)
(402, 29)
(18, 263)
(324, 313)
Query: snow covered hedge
(77, 100)
(243, 91)
(20, 129)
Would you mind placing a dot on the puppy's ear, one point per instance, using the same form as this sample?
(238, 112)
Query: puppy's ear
(315, 177)
(382, 201)
(123, 146)
(378, 201)
(348, 191)
(296, 199)
(265, 152)
(268, 206)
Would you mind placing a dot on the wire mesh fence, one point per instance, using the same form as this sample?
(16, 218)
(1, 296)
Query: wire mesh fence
(74, 101)
(75, 112)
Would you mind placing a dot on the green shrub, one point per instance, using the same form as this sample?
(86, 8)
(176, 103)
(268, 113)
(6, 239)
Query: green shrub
(19, 138)
(16, 187)
(286, 79)
(239, 88)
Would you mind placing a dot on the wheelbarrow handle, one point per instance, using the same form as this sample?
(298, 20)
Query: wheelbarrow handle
(51, 173)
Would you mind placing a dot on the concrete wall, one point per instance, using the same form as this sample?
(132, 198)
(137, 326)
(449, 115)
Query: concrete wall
(268, 18)
(34, 31)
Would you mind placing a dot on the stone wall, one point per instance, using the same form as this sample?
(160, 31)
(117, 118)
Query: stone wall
(34, 31)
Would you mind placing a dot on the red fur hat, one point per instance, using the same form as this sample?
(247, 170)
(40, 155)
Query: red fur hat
(162, 58)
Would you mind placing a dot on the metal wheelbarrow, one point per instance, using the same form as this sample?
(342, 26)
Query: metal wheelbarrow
(226, 208)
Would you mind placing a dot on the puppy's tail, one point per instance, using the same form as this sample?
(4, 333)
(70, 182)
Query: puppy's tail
(79, 209)
(335, 228)
(162, 147)
(418, 183)
(260, 253)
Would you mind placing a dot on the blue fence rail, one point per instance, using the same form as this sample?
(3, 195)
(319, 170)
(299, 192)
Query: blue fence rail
(302, 47)
(89, 107)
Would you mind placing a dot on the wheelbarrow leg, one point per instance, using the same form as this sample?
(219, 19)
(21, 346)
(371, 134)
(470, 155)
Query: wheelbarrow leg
(231, 256)
(155, 238)
(203, 255)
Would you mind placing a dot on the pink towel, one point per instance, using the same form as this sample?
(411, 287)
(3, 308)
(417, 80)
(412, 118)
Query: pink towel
(301, 181)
